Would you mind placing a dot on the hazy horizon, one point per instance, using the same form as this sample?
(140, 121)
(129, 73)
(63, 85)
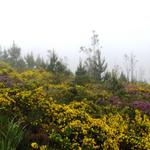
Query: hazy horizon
(40, 25)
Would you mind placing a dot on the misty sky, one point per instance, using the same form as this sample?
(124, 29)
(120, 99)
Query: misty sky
(66, 25)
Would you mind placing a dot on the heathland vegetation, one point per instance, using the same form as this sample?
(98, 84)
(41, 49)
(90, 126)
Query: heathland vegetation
(44, 106)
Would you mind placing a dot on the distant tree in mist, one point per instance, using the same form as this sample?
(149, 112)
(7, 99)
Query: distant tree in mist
(114, 80)
(40, 63)
(81, 75)
(141, 74)
(12, 56)
(30, 62)
(14, 53)
(130, 66)
(55, 64)
(123, 77)
(95, 64)
(4, 55)
(1, 52)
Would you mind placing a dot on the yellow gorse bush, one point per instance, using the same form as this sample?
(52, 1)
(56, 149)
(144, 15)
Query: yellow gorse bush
(70, 126)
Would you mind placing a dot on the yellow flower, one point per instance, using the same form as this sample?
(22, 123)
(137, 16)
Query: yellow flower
(34, 145)
(43, 147)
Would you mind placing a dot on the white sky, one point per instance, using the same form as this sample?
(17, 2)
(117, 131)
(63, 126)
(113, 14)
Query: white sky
(65, 25)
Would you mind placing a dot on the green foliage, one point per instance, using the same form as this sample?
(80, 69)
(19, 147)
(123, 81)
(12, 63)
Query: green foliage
(13, 57)
(99, 66)
(114, 83)
(81, 75)
(66, 115)
(11, 134)
(30, 61)
(55, 64)
(123, 78)
(95, 64)
(40, 63)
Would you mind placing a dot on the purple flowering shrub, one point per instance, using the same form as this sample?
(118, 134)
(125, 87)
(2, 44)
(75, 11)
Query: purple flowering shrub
(142, 105)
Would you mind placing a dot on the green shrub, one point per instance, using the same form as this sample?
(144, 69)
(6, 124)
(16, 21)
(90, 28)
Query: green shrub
(10, 133)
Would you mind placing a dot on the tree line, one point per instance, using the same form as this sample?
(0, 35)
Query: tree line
(92, 69)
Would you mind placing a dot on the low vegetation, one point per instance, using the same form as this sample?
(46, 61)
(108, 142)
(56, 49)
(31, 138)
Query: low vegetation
(44, 106)
(42, 114)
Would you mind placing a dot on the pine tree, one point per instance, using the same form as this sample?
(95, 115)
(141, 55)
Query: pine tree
(55, 64)
(123, 77)
(29, 58)
(81, 76)
(40, 63)
(14, 55)
(95, 64)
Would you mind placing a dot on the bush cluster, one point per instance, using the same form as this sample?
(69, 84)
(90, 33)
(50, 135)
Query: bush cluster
(66, 116)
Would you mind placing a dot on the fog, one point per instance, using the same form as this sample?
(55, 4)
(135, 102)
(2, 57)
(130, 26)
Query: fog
(39, 25)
